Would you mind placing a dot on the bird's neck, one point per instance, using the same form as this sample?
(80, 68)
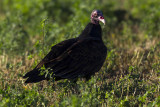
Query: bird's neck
(95, 21)
(92, 30)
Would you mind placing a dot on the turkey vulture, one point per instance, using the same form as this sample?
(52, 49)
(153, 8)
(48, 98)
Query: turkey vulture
(76, 57)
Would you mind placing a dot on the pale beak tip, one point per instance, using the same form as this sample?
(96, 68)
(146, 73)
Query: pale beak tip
(104, 22)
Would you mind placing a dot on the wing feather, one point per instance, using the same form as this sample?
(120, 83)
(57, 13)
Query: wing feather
(56, 51)
(82, 58)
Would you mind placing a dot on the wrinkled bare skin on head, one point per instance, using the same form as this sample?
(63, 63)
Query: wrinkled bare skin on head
(97, 16)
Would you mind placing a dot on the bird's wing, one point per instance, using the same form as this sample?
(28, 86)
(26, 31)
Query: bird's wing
(56, 51)
(83, 58)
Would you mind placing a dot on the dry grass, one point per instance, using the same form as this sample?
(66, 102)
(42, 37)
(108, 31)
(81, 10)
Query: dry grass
(127, 73)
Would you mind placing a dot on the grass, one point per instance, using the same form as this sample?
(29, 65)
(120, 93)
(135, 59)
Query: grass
(130, 76)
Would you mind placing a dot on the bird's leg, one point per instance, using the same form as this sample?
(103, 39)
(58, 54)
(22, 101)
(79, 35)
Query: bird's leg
(74, 86)
(88, 77)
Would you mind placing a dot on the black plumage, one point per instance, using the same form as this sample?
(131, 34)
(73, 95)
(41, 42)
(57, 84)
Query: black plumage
(73, 58)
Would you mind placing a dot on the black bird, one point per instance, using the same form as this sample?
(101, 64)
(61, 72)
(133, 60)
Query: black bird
(76, 57)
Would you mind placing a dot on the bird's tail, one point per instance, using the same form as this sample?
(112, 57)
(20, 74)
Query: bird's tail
(34, 76)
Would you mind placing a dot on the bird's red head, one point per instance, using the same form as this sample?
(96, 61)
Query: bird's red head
(97, 16)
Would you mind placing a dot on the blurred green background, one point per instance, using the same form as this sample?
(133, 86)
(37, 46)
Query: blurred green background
(129, 77)
(23, 22)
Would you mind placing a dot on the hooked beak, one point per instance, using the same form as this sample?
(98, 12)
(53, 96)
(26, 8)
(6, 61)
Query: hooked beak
(101, 18)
